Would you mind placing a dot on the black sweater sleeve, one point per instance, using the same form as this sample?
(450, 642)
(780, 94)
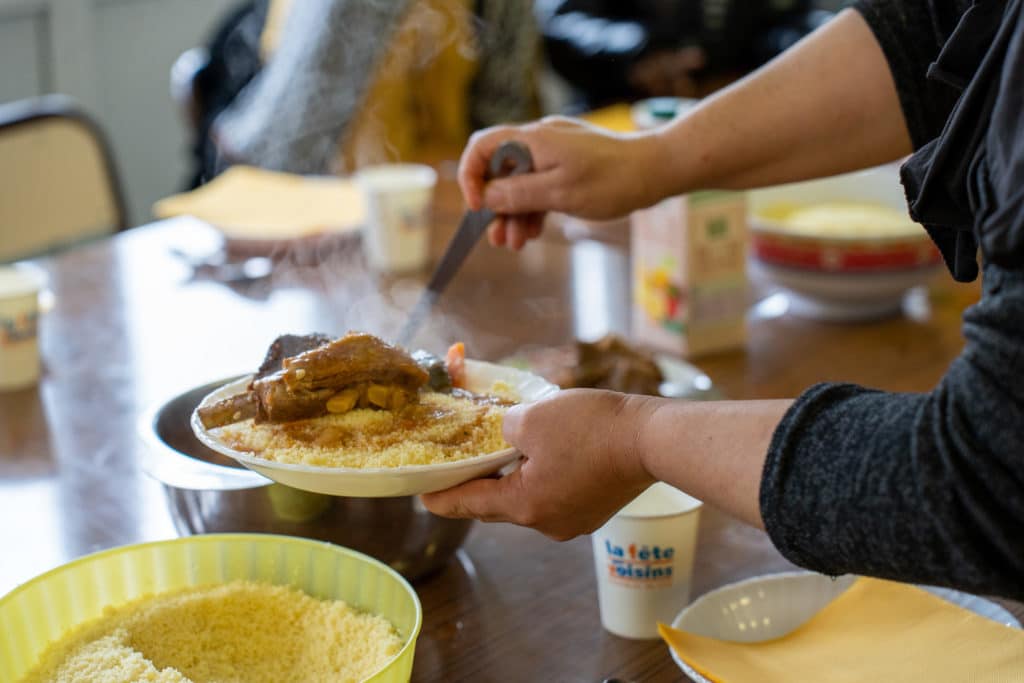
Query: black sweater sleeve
(926, 488)
(911, 34)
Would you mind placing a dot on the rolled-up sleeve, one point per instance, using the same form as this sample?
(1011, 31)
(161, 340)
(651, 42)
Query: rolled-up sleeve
(927, 488)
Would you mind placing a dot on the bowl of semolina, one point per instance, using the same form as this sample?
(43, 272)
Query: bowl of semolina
(220, 607)
(843, 247)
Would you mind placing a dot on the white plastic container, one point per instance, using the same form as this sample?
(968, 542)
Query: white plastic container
(643, 557)
(398, 197)
(19, 316)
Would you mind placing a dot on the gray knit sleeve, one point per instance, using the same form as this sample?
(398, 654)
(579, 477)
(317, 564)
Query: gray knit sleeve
(925, 488)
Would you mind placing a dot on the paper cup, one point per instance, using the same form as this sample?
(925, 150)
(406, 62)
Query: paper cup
(644, 561)
(396, 235)
(19, 316)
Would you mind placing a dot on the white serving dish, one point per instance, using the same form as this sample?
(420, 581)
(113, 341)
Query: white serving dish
(379, 482)
(780, 603)
(841, 297)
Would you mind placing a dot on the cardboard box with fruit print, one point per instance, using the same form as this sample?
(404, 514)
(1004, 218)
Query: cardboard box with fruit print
(689, 273)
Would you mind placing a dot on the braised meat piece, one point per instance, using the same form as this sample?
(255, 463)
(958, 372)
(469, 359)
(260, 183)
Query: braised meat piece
(286, 346)
(323, 376)
(609, 363)
(379, 372)
(234, 409)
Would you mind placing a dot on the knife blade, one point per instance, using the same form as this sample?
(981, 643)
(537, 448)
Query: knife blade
(511, 158)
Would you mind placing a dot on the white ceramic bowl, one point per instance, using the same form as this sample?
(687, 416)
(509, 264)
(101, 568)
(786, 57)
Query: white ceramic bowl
(376, 482)
(836, 277)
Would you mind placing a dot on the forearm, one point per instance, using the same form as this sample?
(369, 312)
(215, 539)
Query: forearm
(826, 106)
(713, 450)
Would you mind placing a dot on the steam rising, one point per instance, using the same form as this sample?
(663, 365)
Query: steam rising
(351, 298)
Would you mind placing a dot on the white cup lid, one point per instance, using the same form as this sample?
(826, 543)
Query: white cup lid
(659, 500)
(20, 280)
(391, 177)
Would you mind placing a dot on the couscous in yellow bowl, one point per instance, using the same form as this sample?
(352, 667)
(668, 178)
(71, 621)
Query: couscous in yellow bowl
(169, 610)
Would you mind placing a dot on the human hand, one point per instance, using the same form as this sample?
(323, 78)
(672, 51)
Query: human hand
(582, 464)
(578, 169)
(668, 73)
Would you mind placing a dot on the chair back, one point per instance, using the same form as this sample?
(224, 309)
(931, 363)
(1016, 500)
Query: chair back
(58, 183)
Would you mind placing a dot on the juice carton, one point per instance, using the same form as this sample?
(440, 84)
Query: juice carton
(689, 273)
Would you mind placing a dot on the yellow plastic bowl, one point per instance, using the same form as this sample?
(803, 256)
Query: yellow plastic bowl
(45, 608)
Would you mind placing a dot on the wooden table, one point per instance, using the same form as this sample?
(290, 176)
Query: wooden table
(130, 326)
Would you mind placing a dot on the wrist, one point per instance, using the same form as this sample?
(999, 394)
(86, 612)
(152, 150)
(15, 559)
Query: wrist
(665, 163)
(633, 420)
(644, 169)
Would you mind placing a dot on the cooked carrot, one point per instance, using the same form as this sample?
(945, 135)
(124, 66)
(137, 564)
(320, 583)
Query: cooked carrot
(456, 362)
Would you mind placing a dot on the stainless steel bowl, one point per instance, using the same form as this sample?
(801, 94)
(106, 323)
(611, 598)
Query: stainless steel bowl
(210, 493)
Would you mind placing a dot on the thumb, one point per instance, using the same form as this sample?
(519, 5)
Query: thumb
(512, 425)
(489, 500)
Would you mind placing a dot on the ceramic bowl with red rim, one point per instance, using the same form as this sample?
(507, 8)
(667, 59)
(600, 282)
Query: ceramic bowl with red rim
(844, 247)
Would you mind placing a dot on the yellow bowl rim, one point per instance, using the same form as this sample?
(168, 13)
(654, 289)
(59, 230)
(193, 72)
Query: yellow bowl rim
(758, 224)
(213, 538)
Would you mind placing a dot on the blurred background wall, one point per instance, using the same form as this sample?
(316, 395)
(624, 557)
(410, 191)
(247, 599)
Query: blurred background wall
(114, 56)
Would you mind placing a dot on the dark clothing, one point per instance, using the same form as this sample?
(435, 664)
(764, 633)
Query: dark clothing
(930, 487)
(926, 488)
(594, 44)
(234, 59)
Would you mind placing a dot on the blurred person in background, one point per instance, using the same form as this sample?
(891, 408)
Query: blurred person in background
(326, 86)
(611, 51)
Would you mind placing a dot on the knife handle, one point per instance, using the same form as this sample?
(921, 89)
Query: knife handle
(511, 158)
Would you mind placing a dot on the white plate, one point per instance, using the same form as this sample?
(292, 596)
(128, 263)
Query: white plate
(379, 482)
(787, 601)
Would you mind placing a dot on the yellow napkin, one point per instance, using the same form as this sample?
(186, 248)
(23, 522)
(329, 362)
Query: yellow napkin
(251, 203)
(875, 631)
(617, 117)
